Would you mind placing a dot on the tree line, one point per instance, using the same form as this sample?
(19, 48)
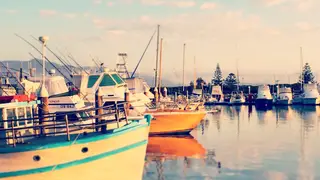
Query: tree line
(232, 80)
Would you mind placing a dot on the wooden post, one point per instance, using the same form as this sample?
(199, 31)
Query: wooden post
(127, 105)
(116, 115)
(43, 109)
(99, 109)
(67, 127)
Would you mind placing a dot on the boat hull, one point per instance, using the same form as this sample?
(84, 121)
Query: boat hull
(112, 156)
(175, 122)
(310, 101)
(263, 103)
(283, 102)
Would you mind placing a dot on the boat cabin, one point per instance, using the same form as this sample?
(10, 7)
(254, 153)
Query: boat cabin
(110, 83)
(22, 111)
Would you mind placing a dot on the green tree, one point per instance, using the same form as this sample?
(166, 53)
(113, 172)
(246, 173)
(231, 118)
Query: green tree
(200, 82)
(231, 80)
(307, 75)
(217, 76)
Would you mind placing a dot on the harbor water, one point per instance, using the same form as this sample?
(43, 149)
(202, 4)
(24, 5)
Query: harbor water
(240, 142)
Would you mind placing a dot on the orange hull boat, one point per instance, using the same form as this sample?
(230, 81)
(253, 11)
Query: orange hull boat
(174, 121)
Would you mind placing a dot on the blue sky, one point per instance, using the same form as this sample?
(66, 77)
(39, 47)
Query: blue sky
(268, 33)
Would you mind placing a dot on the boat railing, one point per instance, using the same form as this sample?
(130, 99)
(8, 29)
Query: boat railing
(95, 119)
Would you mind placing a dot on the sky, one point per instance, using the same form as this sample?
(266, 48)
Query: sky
(263, 36)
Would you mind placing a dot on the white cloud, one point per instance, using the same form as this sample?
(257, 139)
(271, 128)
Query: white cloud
(273, 31)
(11, 11)
(173, 3)
(208, 5)
(304, 5)
(270, 3)
(47, 12)
(70, 15)
(99, 22)
(304, 26)
(109, 4)
(97, 1)
(116, 32)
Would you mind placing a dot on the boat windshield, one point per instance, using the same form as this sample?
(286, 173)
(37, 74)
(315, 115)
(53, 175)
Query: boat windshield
(117, 78)
(107, 81)
(92, 80)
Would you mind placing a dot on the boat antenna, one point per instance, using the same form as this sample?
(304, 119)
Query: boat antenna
(41, 54)
(44, 40)
(145, 50)
(157, 60)
(59, 58)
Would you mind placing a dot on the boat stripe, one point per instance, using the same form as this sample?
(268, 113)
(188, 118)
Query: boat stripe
(23, 148)
(72, 163)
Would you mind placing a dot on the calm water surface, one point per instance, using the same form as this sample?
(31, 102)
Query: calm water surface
(241, 143)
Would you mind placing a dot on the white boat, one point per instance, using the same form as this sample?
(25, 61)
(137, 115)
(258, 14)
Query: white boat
(57, 149)
(311, 95)
(61, 98)
(284, 97)
(237, 98)
(264, 98)
(216, 94)
(112, 86)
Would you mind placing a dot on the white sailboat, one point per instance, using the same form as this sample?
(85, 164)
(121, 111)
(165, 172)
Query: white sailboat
(237, 97)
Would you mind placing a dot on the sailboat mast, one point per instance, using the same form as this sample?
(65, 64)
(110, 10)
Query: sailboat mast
(184, 50)
(301, 67)
(194, 74)
(160, 66)
(157, 60)
(237, 59)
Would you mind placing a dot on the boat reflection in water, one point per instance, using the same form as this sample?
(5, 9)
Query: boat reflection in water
(167, 155)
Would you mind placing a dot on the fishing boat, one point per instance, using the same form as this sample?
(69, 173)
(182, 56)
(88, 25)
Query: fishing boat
(216, 95)
(36, 144)
(264, 98)
(284, 97)
(311, 95)
(61, 97)
(237, 98)
(64, 149)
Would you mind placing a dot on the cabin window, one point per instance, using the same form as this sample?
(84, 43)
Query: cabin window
(29, 115)
(107, 81)
(11, 115)
(21, 116)
(92, 80)
(117, 78)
